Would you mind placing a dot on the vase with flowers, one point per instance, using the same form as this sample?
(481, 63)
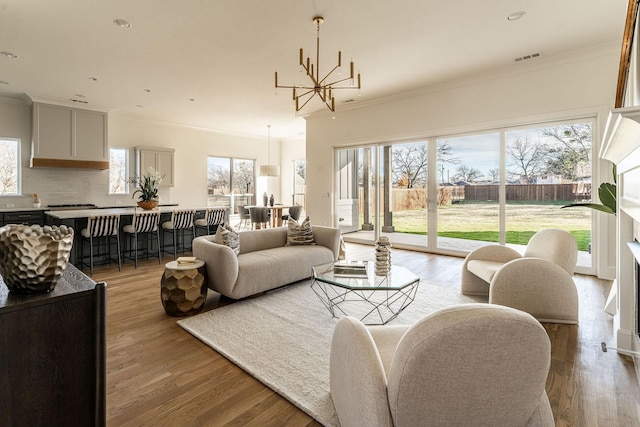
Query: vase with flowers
(147, 188)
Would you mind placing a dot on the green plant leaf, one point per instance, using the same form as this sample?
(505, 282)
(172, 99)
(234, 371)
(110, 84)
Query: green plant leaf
(607, 194)
(595, 206)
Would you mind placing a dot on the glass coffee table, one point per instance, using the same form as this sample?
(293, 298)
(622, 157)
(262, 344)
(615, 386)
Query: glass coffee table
(358, 292)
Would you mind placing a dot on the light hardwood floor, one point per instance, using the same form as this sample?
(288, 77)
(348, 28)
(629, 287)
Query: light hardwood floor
(159, 375)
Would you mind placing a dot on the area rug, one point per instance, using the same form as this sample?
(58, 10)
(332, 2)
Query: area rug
(283, 339)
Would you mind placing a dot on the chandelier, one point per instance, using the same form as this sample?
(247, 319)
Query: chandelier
(321, 87)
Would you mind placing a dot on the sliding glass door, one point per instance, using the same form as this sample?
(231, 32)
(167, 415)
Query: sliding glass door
(455, 193)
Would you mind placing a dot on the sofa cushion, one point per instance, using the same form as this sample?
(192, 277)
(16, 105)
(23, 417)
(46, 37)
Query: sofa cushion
(226, 235)
(267, 269)
(299, 234)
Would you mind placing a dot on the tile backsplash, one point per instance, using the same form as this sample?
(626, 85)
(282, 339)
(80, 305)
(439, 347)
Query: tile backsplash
(68, 186)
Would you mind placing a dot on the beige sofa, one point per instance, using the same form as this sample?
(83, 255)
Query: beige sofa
(264, 261)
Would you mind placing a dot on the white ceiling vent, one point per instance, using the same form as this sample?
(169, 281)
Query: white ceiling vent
(524, 58)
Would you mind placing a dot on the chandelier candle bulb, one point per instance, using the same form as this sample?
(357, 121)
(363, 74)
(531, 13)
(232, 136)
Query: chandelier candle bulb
(301, 57)
(339, 58)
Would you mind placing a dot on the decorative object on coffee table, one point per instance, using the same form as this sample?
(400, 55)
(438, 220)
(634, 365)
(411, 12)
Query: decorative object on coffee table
(383, 256)
(33, 258)
(183, 289)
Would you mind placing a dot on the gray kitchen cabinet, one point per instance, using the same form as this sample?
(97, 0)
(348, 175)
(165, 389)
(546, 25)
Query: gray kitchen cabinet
(23, 217)
(158, 158)
(68, 137)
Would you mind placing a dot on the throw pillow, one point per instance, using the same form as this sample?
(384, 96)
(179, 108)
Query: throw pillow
(226, 235)
(299, 234)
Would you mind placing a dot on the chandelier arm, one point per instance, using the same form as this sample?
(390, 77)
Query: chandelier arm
(329, 73)
(296, 87)
(305, 102)
(311, 90)
(344, 87)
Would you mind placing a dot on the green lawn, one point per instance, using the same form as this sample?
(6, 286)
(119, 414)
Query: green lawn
(479, 221)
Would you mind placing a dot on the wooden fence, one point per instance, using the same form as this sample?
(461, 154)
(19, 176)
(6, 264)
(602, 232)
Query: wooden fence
(416, 198)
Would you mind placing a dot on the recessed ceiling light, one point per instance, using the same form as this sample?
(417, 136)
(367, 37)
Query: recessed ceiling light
(4, 82)
(8, 54)
(516, 15)
(140, 106)
(192, 99)
(148, 90)
(93, 79)
(122, 23)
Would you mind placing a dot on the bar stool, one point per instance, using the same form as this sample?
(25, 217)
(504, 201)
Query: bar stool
(181, 220)
(145, 223)
(102, 228)
(259, 217)
(212, 218)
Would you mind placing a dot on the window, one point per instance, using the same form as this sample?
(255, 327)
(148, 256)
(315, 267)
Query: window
(118, 171)
(9, 167)
(299, 182)
(230, 182)
(459, 192)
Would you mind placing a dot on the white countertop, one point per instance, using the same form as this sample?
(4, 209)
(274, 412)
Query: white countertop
(86, 213)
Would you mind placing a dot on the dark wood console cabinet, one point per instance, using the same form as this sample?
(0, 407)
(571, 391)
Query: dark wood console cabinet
(52, 354)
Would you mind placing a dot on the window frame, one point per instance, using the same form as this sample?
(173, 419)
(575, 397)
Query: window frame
(18, 143)
(126, 171)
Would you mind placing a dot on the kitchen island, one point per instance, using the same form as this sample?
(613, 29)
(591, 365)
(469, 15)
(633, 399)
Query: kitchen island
(77, 218)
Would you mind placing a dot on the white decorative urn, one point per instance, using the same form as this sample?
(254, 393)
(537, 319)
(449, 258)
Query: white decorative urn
(33, 258)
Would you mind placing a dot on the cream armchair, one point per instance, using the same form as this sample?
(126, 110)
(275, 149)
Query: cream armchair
(470, 364)
(538, 282)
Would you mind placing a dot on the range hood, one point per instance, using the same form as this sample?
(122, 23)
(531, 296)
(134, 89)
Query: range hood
(67, 137)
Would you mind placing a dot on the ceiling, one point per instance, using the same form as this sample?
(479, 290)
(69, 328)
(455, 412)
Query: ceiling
(211, 63)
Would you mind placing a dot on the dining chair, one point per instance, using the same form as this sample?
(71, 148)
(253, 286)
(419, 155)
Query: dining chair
(259, 217)
(245, 217)
(144, 224)
(101, 230)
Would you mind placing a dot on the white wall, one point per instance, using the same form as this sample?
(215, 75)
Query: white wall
(582, 84)
(291, 150)
(192, 146)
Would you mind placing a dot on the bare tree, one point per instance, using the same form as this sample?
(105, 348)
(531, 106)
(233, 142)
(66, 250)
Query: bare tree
(8, 168)
(117, 171)
(494, 174)
(409, 163)
(218, 177)
(242, 176)
(467, 173)
(526, 158)
(570, 151)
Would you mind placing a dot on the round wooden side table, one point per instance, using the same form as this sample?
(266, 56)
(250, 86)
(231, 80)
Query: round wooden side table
(183, 288)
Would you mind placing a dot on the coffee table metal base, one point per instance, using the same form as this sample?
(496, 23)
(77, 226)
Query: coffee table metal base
(372, 307)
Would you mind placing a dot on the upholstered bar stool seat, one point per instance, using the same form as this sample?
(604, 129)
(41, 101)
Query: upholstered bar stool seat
(181, 220)
(144, 224)
(213, 217)
(101, 228)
